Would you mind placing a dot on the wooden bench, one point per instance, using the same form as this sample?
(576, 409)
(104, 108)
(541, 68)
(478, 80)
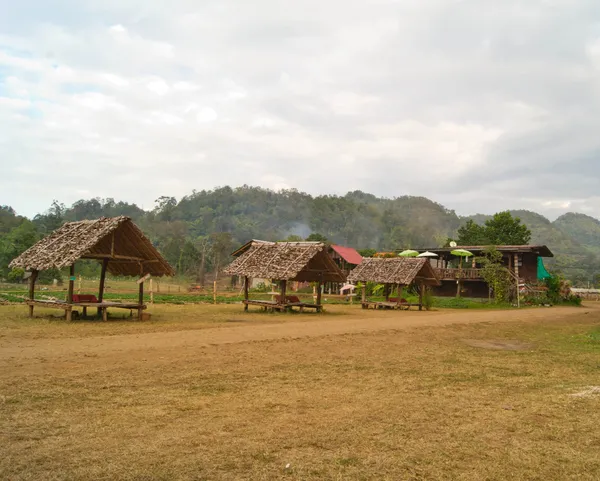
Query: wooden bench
(392, 303)
(68, 308)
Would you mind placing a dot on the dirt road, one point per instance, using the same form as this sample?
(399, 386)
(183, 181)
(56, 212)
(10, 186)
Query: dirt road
(16, 349)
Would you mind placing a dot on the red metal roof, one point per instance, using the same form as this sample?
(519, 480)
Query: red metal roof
(350, 255)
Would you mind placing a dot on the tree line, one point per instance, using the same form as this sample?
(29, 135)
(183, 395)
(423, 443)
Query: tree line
(197, 233)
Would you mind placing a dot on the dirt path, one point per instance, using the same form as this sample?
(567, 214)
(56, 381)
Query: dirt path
(371, 322)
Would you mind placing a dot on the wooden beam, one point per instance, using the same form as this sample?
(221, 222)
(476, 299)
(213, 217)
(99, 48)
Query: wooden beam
(246, 287)
(115, 256)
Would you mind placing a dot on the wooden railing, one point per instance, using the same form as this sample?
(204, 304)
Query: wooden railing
(452, 274)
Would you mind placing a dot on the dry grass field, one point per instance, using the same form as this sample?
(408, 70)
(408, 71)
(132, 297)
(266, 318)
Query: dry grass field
(211, 393)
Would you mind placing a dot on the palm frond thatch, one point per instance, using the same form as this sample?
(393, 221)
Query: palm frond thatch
(395, 270)
(298, 261)
(118, 239)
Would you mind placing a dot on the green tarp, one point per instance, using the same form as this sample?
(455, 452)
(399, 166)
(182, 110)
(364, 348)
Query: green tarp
(542, 273)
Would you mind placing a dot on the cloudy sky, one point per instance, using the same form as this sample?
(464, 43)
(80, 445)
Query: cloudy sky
(481, 105)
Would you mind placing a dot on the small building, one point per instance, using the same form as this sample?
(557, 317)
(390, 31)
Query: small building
(394, 272)
(524, 262)
(116, 242)
(284, 262)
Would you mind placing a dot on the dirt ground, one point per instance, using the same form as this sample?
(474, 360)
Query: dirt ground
(209, 392)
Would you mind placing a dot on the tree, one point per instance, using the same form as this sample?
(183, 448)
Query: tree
(472, 234)
(222, 244)
(316, 237)
(504, 229)
(495, 274)
(367, 252)
(501, 229)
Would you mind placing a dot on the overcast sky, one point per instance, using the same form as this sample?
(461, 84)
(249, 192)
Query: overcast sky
(481, 105)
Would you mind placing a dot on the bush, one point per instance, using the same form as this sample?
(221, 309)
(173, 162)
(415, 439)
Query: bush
(427, 300)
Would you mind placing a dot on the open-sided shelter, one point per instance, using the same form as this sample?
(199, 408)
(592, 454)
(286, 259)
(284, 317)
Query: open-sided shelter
(116, 242)
(285, 261)
(391, 272)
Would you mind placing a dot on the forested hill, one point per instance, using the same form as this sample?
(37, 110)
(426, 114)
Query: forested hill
(197, 232)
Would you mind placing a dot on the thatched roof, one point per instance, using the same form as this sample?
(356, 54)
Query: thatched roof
(129, 251)
(394, 270)
(298, 261)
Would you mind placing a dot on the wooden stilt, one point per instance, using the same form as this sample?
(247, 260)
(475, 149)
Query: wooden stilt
(283, 292)
(319, 289)
(141, 301)
(32, 280)
(102, 282)
(364, 295)
(246, 287)
(71, 284)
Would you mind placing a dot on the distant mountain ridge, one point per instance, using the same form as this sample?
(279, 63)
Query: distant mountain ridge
(356, 219)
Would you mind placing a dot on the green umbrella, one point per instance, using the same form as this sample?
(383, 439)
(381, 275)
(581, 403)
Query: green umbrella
(461, 253)
(408, 253)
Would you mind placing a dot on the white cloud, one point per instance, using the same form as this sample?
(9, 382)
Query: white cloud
(481, 99)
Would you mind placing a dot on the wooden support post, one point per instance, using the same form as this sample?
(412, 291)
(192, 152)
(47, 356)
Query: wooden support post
(518, 281)
(399, 294)
(141, 301)
(32, 280)
(283, 292)
(246, 287)
(151, 292)
(79, 284)
(364, 294)
(71, 284)
(319, 289)
(421, 287)
(458, 285)
(386, 290)
(102, 281)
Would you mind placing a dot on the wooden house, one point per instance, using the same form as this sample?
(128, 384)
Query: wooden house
(524, 262)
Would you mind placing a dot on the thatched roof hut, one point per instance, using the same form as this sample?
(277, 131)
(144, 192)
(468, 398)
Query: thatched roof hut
(118, 239)
(285, 261)
(395, 270)
(296, 261)
(116, 242)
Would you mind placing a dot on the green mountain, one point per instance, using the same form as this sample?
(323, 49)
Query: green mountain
(582, 228)
(196, 232)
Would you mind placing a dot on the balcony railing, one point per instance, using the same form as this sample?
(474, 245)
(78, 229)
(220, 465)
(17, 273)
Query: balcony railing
(453, 274)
